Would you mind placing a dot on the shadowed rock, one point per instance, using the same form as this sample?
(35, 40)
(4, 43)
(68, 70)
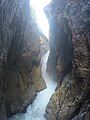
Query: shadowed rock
(19, 50)
(71, 101)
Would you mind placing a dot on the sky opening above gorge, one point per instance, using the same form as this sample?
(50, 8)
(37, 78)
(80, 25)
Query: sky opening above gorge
(41, 19)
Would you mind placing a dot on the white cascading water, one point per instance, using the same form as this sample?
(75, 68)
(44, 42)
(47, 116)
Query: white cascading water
(36, 110)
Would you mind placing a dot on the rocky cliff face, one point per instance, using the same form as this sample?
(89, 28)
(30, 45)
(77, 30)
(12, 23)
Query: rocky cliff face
(69, 53)
(20, 75)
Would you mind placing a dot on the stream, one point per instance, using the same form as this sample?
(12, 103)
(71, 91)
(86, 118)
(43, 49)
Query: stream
(36, 110)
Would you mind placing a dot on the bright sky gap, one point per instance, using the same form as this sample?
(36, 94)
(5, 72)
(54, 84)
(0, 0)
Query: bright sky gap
(41, 19)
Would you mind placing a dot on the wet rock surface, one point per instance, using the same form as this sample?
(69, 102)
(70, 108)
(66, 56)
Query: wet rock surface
(20, 75)
(19, 50)
(71, 100)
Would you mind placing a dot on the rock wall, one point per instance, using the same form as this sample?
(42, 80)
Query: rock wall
(61, 46)
(20, 73)
(70, 22)
(44, 45)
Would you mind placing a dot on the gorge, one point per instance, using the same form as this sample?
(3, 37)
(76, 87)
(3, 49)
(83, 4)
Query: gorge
(36, 110)
(41, 79)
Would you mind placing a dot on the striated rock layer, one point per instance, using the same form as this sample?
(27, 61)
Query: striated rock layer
(69, 58)
(20, 75)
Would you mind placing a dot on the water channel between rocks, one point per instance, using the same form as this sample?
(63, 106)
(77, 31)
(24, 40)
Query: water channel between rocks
(36, 110)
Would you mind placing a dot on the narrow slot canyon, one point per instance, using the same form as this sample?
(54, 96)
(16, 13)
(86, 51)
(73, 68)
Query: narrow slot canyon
(44, 60)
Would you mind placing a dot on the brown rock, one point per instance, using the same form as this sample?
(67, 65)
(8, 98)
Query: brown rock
(70, 99)
(19, 50)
